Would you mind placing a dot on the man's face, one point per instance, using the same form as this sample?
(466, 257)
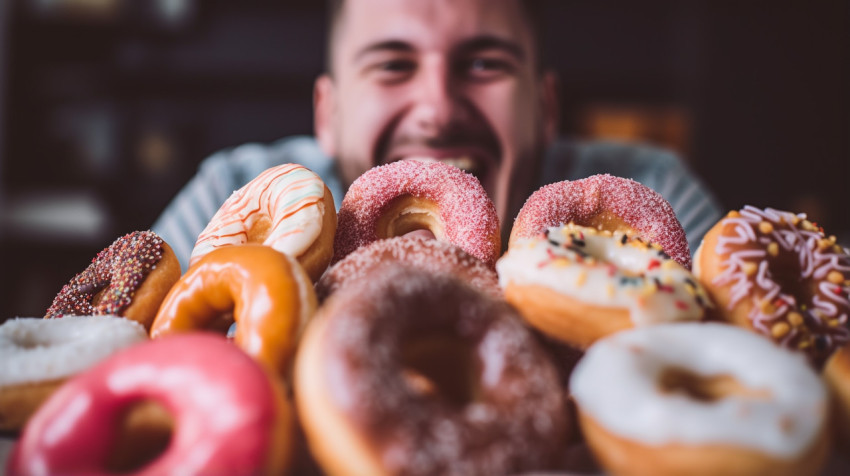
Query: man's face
(451, 80)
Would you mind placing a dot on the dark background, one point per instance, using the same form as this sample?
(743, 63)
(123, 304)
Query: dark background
(106, 111)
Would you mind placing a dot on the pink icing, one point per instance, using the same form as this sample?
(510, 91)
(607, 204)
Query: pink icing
(642, 208)
(468, 214)
(222, 403)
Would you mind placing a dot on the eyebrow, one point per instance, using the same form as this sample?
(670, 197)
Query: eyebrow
(489, 42)
(387, 45)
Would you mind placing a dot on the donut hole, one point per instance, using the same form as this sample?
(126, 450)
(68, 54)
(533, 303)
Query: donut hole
(144, 433)
(221, 323)
(441, 366)
(784, 269)
(406, 214)
(608, 221)
(259, 230)
(706, 388)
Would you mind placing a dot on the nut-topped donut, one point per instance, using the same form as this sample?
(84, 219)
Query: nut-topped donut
(286, 207)
(775, 272)
(409, 372)
(130, 279)
(269, 294)
(400, 197)
(578, 284)
(608, 203)
(432, 255)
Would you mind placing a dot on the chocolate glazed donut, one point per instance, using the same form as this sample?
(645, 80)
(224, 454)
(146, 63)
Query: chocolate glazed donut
(412, 373)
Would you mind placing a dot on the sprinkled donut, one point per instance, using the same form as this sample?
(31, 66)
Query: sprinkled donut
(577, 284)
(270, 296)
(777, 273)
(130, 278)
(608, 203)
(700, 399)
(229, 415)
(287, 207)
(409, 195)
(388, 384)
(431, 255)
(38, 355)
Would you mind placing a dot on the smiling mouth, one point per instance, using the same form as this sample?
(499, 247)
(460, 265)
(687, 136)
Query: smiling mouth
(465, 163)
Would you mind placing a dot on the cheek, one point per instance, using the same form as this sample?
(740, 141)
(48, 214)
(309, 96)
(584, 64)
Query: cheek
(365, 114)
(510, 113)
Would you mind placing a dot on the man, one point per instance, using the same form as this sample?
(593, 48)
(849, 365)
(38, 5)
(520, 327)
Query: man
(458, 81)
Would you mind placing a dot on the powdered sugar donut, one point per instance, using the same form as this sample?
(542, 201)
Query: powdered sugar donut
(577, 284)
(430, 255)
(608, 203)
(700, 399)
(287, 207)
(400, 197)
(37, 355)
(776, 273)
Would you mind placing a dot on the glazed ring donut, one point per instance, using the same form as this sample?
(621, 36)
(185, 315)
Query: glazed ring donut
(410, 195)
(38, 355)
(776, 273)
(229, 416)
(700, 399)
(269, 294)
(287, 207)
(577, 284)
(386, 383)
(837, 375)
(608, 203)
(431, 255)
(130, 278)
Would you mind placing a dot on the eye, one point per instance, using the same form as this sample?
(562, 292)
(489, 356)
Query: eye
(485, 68)
(392, 70)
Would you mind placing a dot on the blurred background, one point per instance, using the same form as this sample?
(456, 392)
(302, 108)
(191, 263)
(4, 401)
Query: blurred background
(108, 106)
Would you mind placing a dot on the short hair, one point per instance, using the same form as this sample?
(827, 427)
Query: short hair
(534, 15)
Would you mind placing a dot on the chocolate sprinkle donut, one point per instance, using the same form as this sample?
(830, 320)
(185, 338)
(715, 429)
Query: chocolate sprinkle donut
(108, 284)
(514, 420)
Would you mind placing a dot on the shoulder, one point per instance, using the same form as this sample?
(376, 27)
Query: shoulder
(571, 160)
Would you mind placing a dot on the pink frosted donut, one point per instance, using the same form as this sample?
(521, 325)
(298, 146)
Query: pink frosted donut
(608, 203)
(408, 195)
(286, 207)
(430, 255)
(229, 416)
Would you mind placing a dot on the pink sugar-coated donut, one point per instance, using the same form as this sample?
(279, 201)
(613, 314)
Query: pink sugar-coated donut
(415, 251)
(230, 417)
(608, 202)
(393, 199)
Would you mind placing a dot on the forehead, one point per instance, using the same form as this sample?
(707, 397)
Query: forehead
(427, 24)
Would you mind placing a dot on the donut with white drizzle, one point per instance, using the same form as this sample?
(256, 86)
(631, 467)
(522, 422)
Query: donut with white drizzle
(578, 284)
(777, 273)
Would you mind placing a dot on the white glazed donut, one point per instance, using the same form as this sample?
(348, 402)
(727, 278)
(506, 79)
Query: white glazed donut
(578, 284)
(695, 398)
(37, 355)
(287, 207)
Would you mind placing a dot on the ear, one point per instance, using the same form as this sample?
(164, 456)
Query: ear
(550, 105)
(324, 108)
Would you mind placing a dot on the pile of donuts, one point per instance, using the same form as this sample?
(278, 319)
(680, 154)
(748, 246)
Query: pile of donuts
(394, 337)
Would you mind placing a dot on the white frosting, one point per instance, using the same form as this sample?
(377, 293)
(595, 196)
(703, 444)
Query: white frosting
(606, 269)
(617, 384)
(289, 195)
(35, 349)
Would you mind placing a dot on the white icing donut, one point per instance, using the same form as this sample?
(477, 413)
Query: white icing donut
(782, 413)
(36, 349)
(287, 202)
(607, 270)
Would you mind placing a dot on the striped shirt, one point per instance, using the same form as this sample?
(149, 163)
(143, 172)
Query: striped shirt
(225, 172)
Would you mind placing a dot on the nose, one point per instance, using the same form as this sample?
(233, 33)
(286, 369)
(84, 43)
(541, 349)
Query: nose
(437, 103)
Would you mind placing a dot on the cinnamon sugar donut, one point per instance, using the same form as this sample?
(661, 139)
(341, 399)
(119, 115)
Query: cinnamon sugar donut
(38, 355)
(577, 284)
(431, 255)
(776, 273)
(286, 207)
(701, 399)
(130, 279)
(400, 197)
(386, 383)
(608, 203)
